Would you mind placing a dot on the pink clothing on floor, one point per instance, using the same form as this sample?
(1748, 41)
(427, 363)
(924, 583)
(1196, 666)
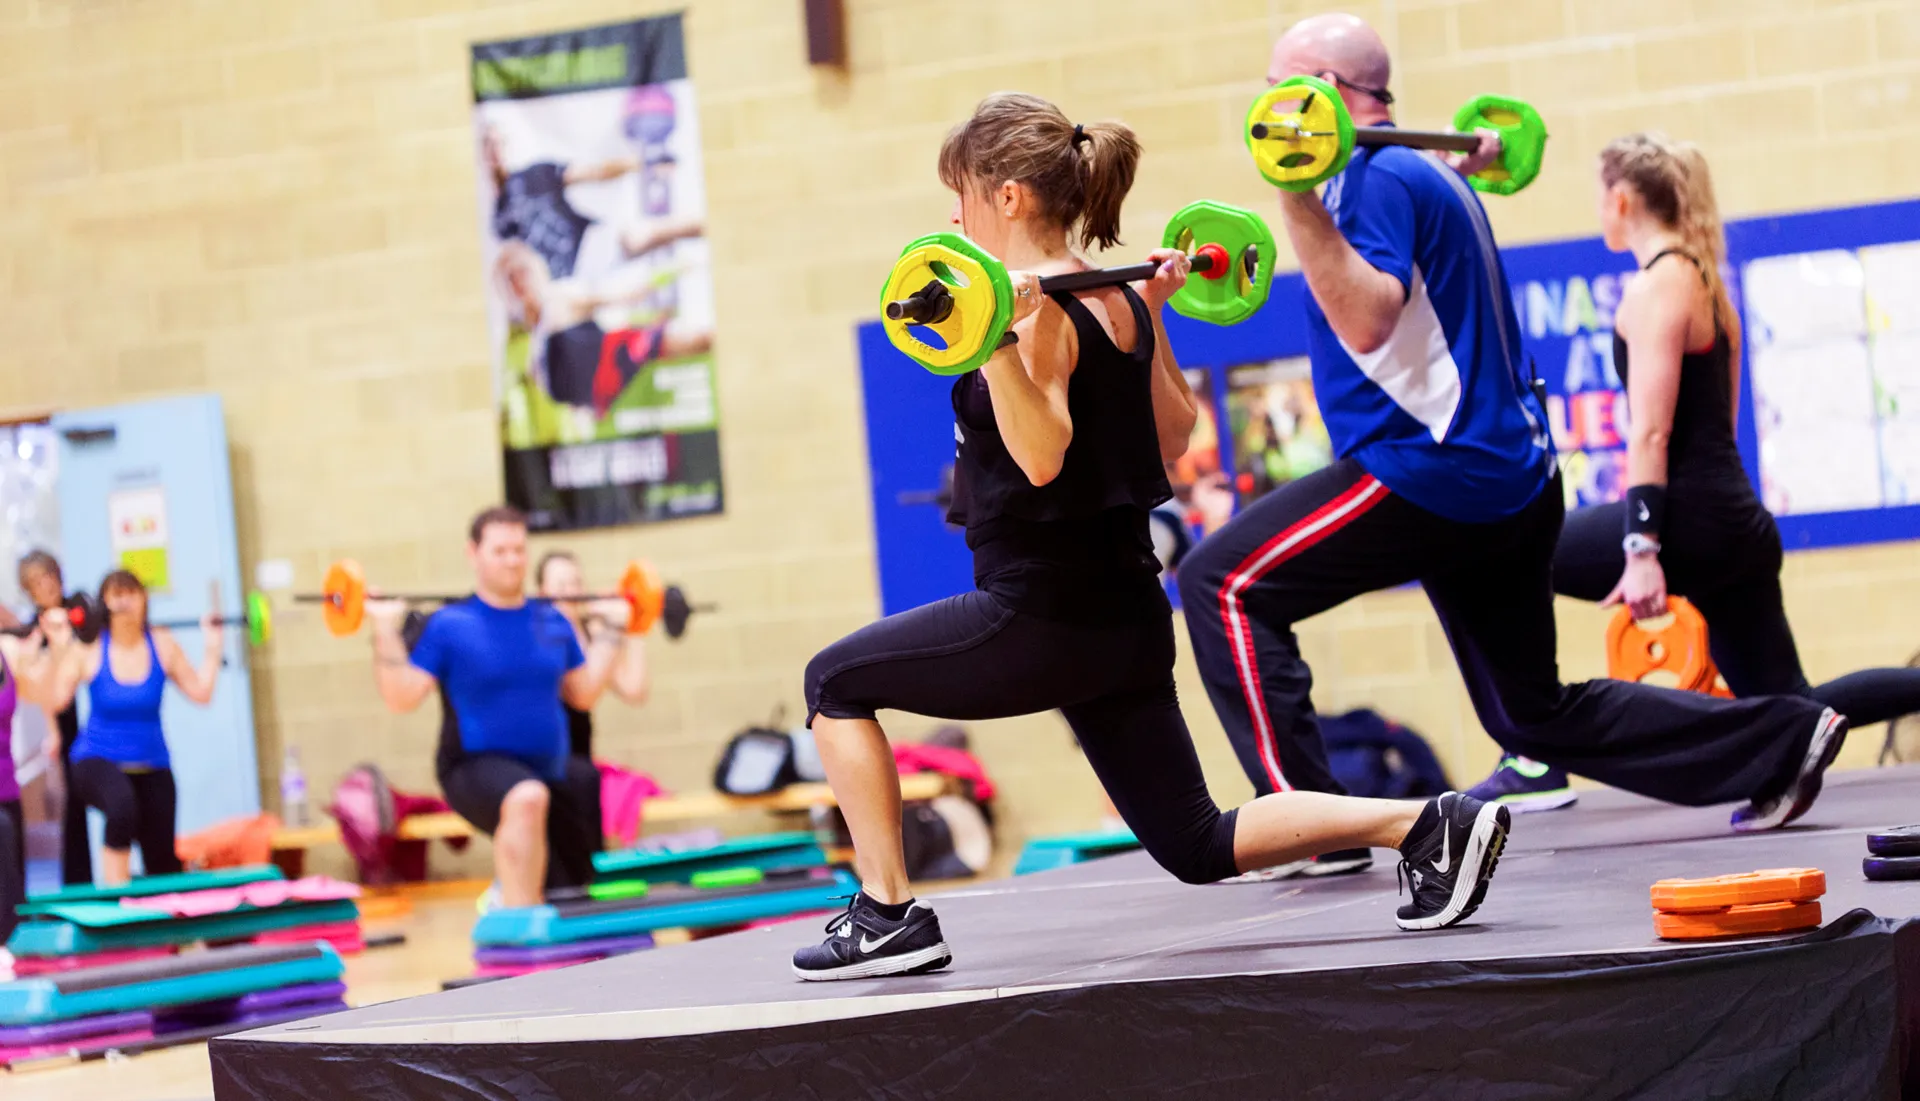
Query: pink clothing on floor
(958, 763)
(623, 793)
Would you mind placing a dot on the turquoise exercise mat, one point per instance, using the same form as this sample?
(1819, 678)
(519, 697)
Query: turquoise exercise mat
(177, 980)
(1046, 853)
(104, 926)
(149, 885)
(691, 908)
(769, 850)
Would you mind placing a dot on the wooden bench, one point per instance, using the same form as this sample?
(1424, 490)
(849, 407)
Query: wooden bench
(290, 844)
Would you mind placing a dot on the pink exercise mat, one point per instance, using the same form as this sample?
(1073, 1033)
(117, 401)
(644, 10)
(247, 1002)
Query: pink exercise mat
(264, 894)
(28, 966)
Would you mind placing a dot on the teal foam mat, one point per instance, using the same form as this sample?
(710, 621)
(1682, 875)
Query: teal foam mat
(1059, 851)
(549, 924)
(152, 885)
(60, 998)
(104, 926)
(772, 850)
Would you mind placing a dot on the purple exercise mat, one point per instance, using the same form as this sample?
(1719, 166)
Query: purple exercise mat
(61, 1031)
(287, 1013)
(259, 1001)
(507, 956)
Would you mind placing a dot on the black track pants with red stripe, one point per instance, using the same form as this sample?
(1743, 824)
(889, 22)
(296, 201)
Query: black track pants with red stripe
(1316, 543)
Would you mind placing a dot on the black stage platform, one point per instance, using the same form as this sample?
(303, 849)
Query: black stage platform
(1113, 980)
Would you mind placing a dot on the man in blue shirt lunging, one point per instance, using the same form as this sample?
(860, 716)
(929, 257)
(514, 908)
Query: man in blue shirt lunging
(502, 665)
(1445, 475)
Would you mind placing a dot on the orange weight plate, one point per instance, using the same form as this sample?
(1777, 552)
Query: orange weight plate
(1741, 921)
(1744, 889)
(646, 596)
(1679, 648)
(345, 590)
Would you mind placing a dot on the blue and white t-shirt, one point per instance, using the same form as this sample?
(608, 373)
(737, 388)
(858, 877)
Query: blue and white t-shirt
(1441, 413)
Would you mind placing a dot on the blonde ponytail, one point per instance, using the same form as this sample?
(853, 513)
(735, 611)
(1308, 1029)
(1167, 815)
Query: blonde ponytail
(1673, 181)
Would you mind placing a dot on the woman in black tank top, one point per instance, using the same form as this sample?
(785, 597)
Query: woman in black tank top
(558, 576)
(1690, 523)
(1061, 444)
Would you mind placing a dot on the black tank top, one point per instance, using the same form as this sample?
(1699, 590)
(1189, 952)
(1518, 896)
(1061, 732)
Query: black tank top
(1703, 456)
(579, 731)
(1079, 547)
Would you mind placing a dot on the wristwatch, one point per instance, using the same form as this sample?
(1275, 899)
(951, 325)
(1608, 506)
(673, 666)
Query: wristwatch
(1637, 544)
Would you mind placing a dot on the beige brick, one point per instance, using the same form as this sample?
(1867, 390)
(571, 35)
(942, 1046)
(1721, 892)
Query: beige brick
(1498, 24)
(164, 368)
(237, 130)
(1424, 34)
(1878, 101)
(248, 240)
(391, 51)
(275, 73)
(1612, 17)
(1827, 42)
(194, 307)
(1756, 117)
(339, 230)
(1668, 63)
(1437, 90)
(1602, 73)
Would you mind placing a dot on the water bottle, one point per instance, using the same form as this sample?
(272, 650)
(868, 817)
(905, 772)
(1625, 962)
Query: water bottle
(293, 789)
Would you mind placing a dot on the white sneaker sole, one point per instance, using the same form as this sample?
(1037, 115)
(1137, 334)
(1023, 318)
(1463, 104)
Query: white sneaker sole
(1539, 801)
(931, 958)
(1796, 801)
(1482, 855)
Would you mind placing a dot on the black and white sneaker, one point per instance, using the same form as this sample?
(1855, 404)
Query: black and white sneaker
(1449, 858)
(863, 943)
(1766, 814)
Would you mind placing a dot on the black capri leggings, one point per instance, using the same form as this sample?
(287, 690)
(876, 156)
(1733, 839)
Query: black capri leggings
(971, 657)
(1730, 570)
(139, 806)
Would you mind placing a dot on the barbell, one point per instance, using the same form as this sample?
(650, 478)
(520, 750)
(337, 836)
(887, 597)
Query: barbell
(343, 599)
(1300, 135)
(89, 618)
(947, 302)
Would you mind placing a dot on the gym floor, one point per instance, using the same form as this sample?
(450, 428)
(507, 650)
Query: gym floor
(438, 948)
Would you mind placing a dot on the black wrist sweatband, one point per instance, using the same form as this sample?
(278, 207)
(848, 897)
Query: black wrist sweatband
(1646, 509)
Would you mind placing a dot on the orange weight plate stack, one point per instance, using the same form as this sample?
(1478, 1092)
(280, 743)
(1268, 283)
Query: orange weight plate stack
(1775, 900)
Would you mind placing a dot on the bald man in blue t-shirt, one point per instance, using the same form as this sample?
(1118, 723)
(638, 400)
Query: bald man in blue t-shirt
(502, 665)
(1445, 475)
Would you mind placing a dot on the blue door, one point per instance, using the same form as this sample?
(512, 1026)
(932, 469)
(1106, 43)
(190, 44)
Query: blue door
(148, 485)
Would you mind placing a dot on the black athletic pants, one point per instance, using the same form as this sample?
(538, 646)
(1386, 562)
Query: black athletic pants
(971, 657)
(139, 806)
(475, 787)
(1731, 572)
(76, 849)
(13, 865)
(1314, 544)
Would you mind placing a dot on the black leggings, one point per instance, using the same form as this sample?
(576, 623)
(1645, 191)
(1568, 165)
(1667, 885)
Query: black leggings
(1730, 570)
(476, 787)
(140, 806)
(971, 657)
(13, 865)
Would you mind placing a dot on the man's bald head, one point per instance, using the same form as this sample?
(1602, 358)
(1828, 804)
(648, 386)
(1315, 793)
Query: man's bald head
(1340, 44)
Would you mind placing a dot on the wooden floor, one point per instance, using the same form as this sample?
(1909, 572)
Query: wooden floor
(438, 948)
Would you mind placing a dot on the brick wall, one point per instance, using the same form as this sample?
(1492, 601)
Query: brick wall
(275, 201)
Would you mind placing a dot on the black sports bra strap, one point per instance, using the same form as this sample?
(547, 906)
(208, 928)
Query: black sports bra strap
(1680, 252)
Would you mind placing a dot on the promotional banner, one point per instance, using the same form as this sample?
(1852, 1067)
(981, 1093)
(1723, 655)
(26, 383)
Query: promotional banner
(599, 287)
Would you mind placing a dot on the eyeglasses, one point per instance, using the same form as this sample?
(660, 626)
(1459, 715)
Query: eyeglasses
(1381, 94)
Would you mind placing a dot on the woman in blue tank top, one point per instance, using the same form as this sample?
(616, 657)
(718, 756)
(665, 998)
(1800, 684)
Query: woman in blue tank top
(120, 763)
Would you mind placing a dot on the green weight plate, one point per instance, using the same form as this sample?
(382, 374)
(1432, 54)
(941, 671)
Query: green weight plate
(982, 303)
(1243, 234)
(1304, 145)
(1523, 141)
(259, 619)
